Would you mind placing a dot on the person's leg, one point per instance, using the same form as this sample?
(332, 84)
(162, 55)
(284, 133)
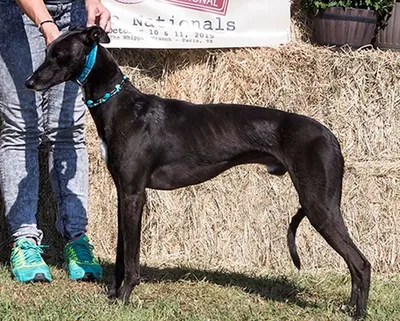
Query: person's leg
(68, 160)
(64, 114)
(21, 51)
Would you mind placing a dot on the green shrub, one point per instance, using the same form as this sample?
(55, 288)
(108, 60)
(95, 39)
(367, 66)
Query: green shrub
(383, 7)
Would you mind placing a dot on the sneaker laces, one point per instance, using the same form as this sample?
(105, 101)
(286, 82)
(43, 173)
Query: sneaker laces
(30, 254)
(81, 251)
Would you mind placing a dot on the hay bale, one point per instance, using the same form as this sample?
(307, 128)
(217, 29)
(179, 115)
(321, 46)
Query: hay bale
(239, 219)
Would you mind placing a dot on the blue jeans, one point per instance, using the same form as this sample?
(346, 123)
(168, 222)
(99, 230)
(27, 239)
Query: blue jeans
(54, 118)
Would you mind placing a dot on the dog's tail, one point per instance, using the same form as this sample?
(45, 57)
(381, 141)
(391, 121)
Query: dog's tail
(291, 236)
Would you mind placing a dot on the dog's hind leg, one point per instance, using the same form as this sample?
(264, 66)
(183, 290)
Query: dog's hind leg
(335, 233)
(317, 175)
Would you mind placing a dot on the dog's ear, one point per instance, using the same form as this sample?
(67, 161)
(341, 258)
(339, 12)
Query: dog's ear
(95, 34)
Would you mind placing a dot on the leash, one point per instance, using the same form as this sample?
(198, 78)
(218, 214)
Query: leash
(89, 63)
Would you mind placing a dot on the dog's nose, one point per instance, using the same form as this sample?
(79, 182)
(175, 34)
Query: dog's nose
(29, 83)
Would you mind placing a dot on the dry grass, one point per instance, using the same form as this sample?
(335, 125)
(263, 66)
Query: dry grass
(185, 294)
(239, 219)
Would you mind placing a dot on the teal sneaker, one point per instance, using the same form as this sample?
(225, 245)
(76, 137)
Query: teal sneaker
(80, 261)
(27, 264)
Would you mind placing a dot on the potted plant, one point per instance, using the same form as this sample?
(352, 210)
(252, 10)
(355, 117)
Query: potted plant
(351, 22)
(388, 36)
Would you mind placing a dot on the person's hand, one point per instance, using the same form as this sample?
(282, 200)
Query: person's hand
(50, 32)
(97, 14)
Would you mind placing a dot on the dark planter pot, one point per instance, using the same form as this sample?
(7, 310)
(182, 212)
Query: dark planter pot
(389, 38)
(337, 26)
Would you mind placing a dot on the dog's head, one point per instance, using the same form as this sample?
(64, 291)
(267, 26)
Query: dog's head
(65, 57)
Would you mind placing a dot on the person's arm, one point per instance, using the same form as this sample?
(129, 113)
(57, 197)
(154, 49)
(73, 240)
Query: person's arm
(37, 12)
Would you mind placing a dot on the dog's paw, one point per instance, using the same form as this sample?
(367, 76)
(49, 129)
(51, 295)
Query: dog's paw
(124, 294)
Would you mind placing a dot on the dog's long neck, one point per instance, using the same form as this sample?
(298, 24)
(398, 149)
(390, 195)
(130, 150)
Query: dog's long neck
(104, 75)
(102, 79)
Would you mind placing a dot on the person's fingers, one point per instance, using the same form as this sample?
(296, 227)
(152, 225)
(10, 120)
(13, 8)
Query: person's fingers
(91, 15)
(104, 20)
(108, 26)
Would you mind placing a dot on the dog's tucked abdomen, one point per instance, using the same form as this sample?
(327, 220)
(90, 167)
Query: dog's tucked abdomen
(181, 174)
(184, 172)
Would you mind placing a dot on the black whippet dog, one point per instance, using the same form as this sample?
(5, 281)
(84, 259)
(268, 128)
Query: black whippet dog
(166, 144)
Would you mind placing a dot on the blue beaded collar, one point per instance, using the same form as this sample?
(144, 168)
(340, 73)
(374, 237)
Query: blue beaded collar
(90, 61)
(90, 103)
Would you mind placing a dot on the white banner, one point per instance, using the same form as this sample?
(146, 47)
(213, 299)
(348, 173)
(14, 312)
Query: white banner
(198, 23)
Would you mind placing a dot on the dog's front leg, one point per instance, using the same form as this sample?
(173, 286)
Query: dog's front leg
(119, 262)
(131, 208)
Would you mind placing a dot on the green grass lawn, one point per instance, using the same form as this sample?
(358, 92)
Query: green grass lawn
(190, 294)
